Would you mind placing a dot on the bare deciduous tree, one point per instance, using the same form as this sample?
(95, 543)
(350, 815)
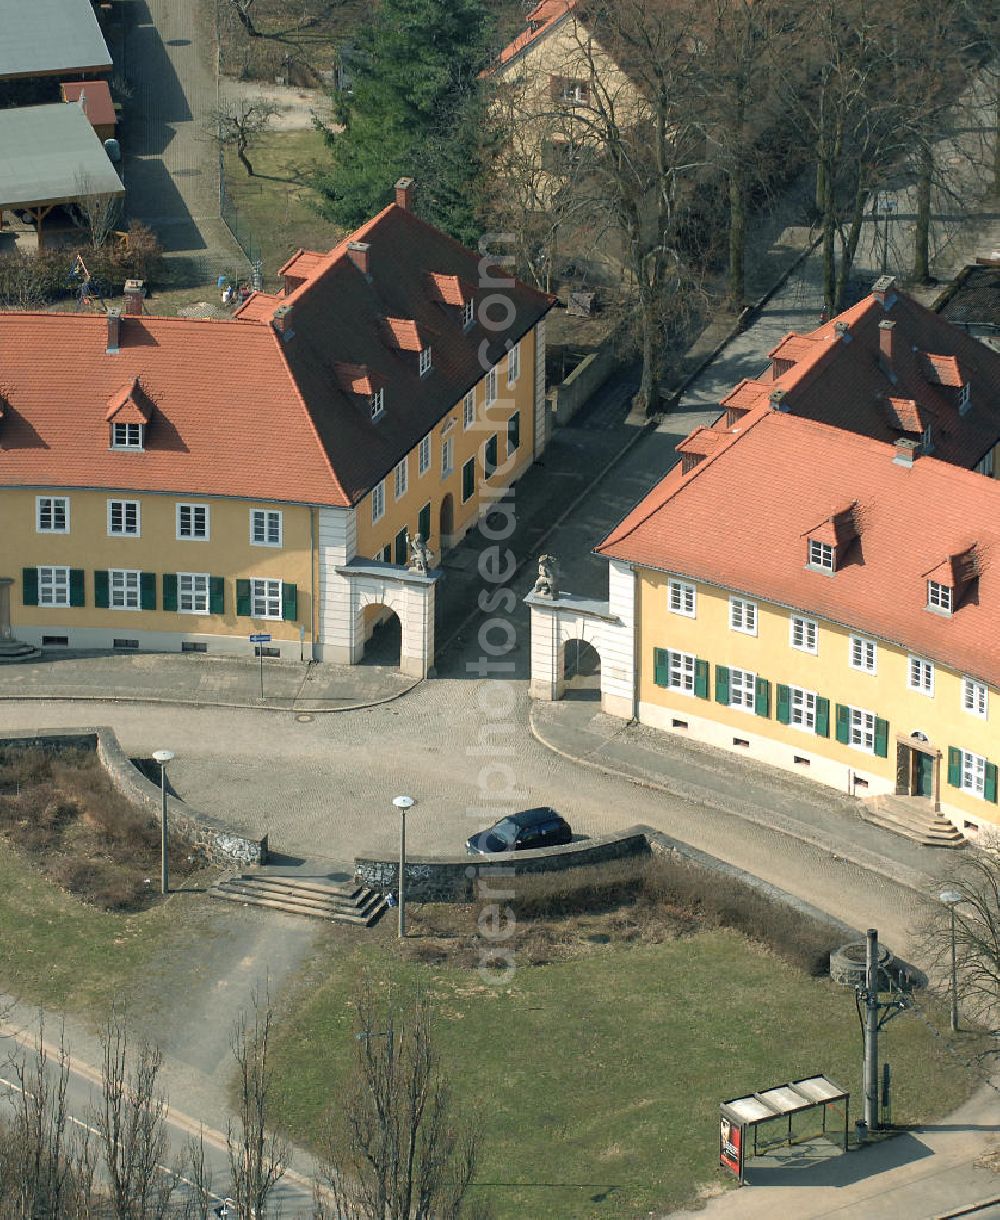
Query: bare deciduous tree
(100, 215)
(242, 9)
(238, 123)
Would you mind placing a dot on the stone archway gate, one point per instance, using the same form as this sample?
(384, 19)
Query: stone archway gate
(409, 594)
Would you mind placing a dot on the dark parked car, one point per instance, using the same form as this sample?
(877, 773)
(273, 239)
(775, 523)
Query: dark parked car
(523, 831)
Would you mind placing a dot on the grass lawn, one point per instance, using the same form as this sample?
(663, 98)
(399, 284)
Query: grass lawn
(276, 205)
(598, 1078)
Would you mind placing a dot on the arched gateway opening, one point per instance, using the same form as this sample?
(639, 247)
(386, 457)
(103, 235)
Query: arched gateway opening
(581, 670)
(383, 634)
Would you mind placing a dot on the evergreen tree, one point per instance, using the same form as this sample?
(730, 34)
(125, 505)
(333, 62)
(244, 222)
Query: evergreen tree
(416, 109)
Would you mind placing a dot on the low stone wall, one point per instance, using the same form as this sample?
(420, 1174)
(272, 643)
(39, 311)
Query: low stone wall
(584, 381)
(220, 843)
(453, 878)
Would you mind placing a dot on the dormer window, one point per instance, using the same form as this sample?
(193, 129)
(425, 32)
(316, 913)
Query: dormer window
(468, 314)
(939, 597)
(425, 361)
(377, 403)
(127, 436)
(964, 398)
(821, 555)
(927, 444)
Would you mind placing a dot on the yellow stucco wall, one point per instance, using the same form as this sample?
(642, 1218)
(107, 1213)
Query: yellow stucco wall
(467, 443)
(769, 654)
(228, 553)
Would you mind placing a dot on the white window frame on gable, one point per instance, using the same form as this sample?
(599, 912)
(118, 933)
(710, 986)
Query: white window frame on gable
(975, 698)
(194, 522)
(803, 634)
(266, 527)
(426, 363)
(821, 555)
(468, 314)
(491, 386)
(447, 457)
(743, 689)
(129, 519)
(469, 409)
(52, 514)
(424, 455)
(124, 589)
(53, 586)
(127, 436)
(378, 501)
(939, 597)
(682, 598)
(377, 403)
(401, 477)
(193, 592)
(742, 616)
(863, 654)
(265, 597)
(514, 364)
(920, 675)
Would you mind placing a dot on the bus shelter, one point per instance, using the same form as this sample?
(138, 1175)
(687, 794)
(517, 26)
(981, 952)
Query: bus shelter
(741, 1117)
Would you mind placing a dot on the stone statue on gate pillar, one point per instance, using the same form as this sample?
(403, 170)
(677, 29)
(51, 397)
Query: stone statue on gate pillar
(547, 584)
(420, 556)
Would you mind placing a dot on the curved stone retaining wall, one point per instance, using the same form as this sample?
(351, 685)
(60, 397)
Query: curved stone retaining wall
(220, 843)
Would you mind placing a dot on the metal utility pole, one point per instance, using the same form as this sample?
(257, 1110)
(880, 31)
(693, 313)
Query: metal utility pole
(163, 757)
(871, 1031)
(402, 803)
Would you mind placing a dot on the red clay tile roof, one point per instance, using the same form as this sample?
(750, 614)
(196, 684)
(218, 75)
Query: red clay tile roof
(302, 263)
(941, 370)
(100, 109)
(258, 307)
(794, 347)
(906, 415)
(700, 442)
(355, 378)
(403, 334)
(449, 289)
(747, 394)
(839, 529)
(795, 470)
(540, 20)
(130, 405)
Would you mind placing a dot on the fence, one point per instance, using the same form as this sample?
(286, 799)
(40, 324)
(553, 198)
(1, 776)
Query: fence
(240, 229)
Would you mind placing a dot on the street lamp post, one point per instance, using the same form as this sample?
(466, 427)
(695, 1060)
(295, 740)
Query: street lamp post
(951, 899)
(163, 757)
(402, 803)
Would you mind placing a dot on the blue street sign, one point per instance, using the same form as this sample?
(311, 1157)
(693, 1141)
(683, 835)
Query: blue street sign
(260, 639)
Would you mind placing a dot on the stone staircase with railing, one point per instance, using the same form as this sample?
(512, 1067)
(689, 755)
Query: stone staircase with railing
(332, 901)
(914, 818)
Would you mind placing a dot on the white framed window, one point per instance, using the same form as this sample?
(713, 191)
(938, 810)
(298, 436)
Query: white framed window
(378, 501)
(743, 615)
(964, 398)
(52, 514)
(193, 521)
(491, 386)
(425, 361)
(803, 634)
(973, 774)
(681, 598)
(742, 689)
(862, 734)
(53, 586)
(920, 675)
(265, 598)
(265, 526)
(975, 697)
(468, 313)
(424, 455)
(447, 457)
(126, 436)
(123, 589)
(820, 555)
(401, 478)
(514, 364)
(192, 592)
(863, 654)
(681, 672)
(802, 708)
(377, 402)
(469, 410)
(124, 520)
(938, 597)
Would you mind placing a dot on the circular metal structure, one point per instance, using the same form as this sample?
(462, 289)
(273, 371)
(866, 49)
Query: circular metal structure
(847, 964)
(163, 756)
(950, 898)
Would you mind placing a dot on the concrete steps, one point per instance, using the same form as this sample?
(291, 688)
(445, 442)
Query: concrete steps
(914, 818)
(347, 903)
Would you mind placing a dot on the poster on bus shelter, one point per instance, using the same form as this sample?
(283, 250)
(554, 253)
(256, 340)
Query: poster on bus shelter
(731, 1147)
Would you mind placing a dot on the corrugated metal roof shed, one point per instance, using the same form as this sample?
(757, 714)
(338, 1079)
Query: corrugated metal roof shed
(45, 37)
(51, 154)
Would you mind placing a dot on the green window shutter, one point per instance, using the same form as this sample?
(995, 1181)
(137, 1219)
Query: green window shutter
(763, 697)
(990, 783)
(954, 767)
(843, 724)
(784, 712)
(29, 586)
(700, 678)
(822, 716)
(881, 738)
(169, 590)
(217, 595)
(661, 666)
(243, 599)
(722, 684)
(102, 598)
(76, 593)
(147, 590)
(289, 602)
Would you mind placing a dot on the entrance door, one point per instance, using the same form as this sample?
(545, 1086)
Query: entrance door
(923, 780)
(447, 520)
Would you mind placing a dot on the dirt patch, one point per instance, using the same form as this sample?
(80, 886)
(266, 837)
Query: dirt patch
(63, 813)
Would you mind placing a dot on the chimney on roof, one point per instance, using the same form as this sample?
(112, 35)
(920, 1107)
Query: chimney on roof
(777, 400)
(883, 291)
(906, 452)
(885, 329)
(842, 331)
(135, 292)
(404, 193)
(281, 320)
(114, 331)
(358, 252)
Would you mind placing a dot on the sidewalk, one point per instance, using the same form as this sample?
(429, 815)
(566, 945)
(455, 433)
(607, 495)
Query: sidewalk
(235, 682)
